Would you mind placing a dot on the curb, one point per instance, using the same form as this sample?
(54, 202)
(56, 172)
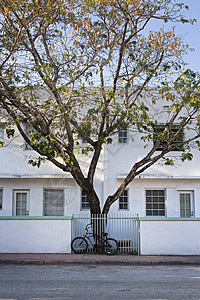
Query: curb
(68, 260)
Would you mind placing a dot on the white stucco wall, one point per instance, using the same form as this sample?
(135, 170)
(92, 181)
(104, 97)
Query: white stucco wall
(172, 186)
(36, 188)
(35, 236)
(170, 237)
(115, 162)
(72, 192)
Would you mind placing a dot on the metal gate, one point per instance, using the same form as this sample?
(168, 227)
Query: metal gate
(123, 228)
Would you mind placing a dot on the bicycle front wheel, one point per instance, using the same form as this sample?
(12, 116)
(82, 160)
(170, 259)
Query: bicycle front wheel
(79, 245)
(111, 246)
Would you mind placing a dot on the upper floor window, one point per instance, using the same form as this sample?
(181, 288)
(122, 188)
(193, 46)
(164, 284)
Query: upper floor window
(155, 203)
(53, 202)
(123, 136)
(175, 145)
(123, 200)
(84, 201)
(1, 198)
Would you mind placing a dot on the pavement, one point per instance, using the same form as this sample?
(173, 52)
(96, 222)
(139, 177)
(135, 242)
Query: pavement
(96, 259)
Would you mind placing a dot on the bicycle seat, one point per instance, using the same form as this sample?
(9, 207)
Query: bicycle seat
(105, 234)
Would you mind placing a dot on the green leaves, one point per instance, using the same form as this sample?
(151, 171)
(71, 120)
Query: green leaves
(36, 162)
(1, 144)
(87, 149)
(109, 141)
(186, 156)
(10, 132)
(169, 162)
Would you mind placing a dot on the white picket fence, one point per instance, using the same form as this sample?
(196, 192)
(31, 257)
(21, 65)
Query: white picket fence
(123, 228)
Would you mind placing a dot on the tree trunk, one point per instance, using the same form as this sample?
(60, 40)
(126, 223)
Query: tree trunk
(94, 202)
(107, 205)
(97, 220)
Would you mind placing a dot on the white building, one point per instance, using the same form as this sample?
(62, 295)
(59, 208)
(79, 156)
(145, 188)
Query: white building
(166, 198)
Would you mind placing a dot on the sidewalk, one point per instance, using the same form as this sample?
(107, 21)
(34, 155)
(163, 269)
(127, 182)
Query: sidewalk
(88, 259)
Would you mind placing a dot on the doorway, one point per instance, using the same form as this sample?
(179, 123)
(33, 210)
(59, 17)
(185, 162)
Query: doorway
(21, 203)
(186, 199)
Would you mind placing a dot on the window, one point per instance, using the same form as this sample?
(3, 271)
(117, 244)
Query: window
(158, 130)
(84, 201)
(123, 201)
(155, 202)
(1, 132)
(53, 202)
(123, 136)
(1, 198)
(186, 204)
(166, 108)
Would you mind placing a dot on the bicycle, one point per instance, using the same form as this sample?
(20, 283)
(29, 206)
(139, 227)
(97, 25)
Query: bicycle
(109, 246)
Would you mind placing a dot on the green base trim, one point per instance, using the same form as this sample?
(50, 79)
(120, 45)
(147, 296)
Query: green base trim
(35, 218)
(168, 219)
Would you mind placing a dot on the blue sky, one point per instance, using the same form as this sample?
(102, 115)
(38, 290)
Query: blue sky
(192, 34)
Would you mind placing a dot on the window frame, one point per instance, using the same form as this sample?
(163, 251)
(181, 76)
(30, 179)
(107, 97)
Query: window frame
(124, 199)
(174, 128)
(84, 200)
(1, 198)
(153, 202)
(123, 139)
(63, 200)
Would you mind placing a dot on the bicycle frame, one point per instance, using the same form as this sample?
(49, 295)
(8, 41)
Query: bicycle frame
(101, 244)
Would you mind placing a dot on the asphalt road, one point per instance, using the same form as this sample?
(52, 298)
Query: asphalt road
(99, 282)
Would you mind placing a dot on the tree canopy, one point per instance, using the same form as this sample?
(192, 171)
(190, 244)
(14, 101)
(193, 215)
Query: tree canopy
(79, 69)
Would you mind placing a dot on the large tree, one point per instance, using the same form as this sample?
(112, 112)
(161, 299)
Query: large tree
(78, 69)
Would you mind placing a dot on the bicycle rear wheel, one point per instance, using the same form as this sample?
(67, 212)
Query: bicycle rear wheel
(79, 245)
(111, 246)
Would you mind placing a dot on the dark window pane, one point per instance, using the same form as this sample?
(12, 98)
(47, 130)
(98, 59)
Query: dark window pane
(148, 206)
(155, 199)
(149, 213)
(155, 193)
(155, 213)
(161, 213)
(161, 192)
(148, 199)
(125, 192)
(161, 206)
(148, 193)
